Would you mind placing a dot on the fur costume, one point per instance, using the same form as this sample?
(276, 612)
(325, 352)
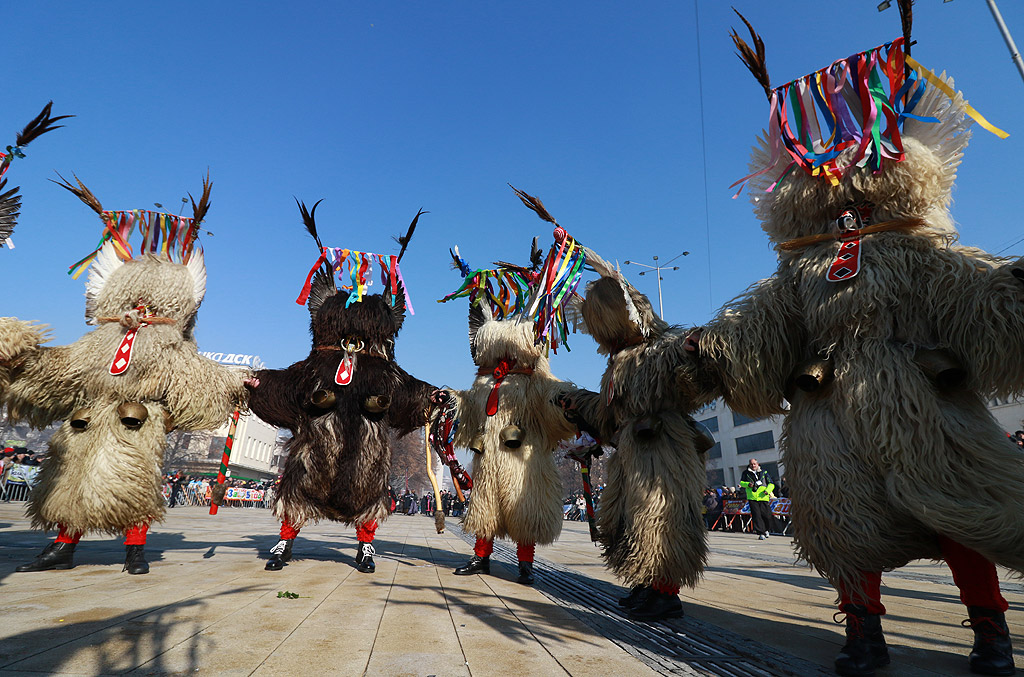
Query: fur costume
(10, 201)
(890, 451)
(650, 521)
(339, 456)
(516, 490)
(510, 420)
(102, 471)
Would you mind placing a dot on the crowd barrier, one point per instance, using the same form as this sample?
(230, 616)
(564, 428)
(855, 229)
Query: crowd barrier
(733, 510)
(233, 496)
(17, 481)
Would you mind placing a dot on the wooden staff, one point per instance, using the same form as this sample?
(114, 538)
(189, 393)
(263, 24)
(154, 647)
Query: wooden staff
(584, 460)
(225, 458)
(438, 512)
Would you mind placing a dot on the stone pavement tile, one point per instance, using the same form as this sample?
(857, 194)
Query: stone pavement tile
(336, 638)
(494, 640)
(574, 645)
(186, 628)
(416, 635)
(46, 621)
(242, 639)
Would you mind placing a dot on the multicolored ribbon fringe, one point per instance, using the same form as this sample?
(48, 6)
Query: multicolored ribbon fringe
(166, 235)
(559, 278)
(356, 268)
(859, 102)
(506, 290)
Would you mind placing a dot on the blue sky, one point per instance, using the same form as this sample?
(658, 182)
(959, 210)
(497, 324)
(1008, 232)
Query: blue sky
(607, 111)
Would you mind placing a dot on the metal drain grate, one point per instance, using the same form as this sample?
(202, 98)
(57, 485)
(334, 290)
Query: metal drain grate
(682, 646)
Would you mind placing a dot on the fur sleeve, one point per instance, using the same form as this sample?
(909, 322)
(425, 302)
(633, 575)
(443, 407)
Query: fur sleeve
(471, 418)
(44, 386)
(592, 415)
(752, 347)
(201, 394)
(978, 308)
(274, 399)
(17, 338)
(410, 404)
(550, 415)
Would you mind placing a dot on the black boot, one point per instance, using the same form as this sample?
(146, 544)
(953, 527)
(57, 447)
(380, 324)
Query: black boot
(992, 653)
(865, 647)
(364, 558)
(637, 595)
(475, 565)
(54, 556)
(656, 606)
(525, 573)
(135, 560)
(279, 554)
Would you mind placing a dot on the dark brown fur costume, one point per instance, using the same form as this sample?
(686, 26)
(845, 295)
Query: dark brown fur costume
(340, 458)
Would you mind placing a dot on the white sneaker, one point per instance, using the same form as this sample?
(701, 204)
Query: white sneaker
(762, 537)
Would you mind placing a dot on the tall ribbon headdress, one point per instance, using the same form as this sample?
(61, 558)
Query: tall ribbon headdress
(864, 103)
(354, 269)
(165, 235)
(10, 201)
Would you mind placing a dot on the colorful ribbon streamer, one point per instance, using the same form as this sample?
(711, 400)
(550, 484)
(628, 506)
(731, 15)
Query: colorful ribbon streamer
(859, 102)
(166, 235)
(560, 276)
(356, 269)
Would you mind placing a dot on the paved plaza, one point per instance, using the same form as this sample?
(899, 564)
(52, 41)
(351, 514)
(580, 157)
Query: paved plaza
(208, 607)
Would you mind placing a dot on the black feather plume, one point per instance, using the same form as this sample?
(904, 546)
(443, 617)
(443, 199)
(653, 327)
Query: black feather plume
(535, 204)
(753, 59)
(81, 192)
(309, 218)
(199, 210)
(906, 8)
(536, 256)
(404, 241)
(41, 124)
(10, 205)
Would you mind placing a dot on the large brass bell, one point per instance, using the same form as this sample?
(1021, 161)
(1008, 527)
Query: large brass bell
(511, 437)
(477, 444)
(376, 404)
(646, 429)
(814, 374)
(941, 367)
(79, 420)
(132, 415)
(323, 399)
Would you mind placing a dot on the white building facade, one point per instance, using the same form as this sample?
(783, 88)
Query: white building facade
(255, 452)
(740, 439)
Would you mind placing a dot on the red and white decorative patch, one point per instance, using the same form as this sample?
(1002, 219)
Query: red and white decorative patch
(346, 369)
(123, 355)
(847, 263)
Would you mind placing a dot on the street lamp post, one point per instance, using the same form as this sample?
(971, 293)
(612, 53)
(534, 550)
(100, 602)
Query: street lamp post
(658, 267)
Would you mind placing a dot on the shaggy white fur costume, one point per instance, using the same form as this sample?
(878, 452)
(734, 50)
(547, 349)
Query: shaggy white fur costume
(106, 477)
(516, 492)
(883, 459)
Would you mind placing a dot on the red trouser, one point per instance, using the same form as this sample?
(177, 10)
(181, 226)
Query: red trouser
(973, 574)
(134, 536)
(364, 532)
(485, 546)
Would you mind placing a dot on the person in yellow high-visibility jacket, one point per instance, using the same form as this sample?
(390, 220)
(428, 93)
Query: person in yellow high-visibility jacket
(760, 492)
